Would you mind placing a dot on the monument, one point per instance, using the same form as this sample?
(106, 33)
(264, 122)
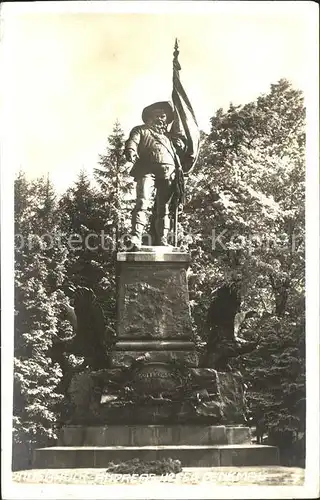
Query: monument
(155, 397)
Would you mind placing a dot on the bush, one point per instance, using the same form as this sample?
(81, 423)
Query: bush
(137, 466)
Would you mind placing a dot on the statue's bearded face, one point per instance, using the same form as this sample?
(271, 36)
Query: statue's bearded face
(158, 120)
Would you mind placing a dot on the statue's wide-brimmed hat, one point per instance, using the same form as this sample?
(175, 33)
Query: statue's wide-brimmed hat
(165, 105)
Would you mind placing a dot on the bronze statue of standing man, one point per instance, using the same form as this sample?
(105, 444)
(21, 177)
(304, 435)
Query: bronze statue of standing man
(155, 154)
(161, 157)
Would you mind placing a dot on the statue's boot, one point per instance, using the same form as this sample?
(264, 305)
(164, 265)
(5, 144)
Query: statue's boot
(136, 237)
(162, 230)
(164, 242)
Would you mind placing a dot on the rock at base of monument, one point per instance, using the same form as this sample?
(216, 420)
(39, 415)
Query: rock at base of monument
(155, 395)
(229, 391)
(158, 411)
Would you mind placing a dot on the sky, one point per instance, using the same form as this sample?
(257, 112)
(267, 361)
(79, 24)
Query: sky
(71, 70)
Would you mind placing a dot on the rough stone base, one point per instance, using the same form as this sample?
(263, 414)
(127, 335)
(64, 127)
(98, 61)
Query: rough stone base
(159, 396)
(226, 389)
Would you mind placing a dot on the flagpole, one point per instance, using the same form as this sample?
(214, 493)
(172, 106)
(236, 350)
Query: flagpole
(184, 124)
(176, 64)
(176, 67)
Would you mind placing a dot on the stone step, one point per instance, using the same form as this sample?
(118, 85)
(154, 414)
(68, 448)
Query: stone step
(190, 456)
(153, 435)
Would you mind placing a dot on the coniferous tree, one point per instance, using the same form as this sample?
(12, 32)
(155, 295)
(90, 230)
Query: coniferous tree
(115, 182)
(38, 273)
(85, 231)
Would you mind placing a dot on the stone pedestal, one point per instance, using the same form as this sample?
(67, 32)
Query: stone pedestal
(153, 307)
(154, 402)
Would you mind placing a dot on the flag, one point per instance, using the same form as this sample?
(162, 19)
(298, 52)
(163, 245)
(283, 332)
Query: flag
(184, 123)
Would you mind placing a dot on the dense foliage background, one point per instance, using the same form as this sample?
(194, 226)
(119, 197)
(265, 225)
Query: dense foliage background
(243, 218)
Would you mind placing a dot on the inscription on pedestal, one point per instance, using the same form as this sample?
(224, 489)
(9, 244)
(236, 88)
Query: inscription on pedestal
(155, 378)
